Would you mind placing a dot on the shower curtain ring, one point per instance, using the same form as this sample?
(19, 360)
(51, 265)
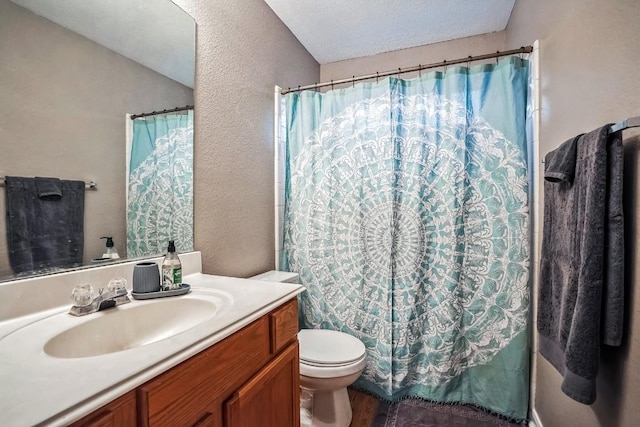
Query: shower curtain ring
(353, 81)
(497, 56)
(377, 76)
(445, 65)
(399, 72)
(419, 70)
(331, 84)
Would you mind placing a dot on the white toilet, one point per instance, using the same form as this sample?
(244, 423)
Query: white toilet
(330, 361)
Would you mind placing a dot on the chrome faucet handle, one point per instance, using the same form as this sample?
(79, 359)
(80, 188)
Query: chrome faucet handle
(82, 295)
(117, 283)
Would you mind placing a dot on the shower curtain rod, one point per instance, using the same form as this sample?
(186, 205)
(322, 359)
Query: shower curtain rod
(155, 113)
(419, 67)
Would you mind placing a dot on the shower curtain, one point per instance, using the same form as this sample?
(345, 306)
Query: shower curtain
(160, 184)
(406, 216)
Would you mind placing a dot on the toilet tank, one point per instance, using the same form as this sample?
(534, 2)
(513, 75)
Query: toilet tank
(277, 276)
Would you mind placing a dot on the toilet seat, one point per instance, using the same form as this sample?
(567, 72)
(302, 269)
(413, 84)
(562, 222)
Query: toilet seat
(329, 354)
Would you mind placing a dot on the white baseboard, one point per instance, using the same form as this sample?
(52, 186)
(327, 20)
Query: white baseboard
(535, 422)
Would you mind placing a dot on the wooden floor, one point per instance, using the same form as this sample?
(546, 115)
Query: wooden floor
(364, 408)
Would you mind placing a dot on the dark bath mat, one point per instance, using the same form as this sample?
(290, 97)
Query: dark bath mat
(418, 413)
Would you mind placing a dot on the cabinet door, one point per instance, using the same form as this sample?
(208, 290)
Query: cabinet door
(271, 398)
(119, 413)
(193, 392)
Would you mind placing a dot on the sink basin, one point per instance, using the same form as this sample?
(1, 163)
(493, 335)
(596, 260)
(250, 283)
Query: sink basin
(130, 326)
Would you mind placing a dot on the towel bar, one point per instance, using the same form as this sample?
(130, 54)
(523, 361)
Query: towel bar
(91, 185)
(632, 122)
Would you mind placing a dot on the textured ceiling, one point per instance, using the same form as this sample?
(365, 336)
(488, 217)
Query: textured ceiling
(157, 34)
(333, 30)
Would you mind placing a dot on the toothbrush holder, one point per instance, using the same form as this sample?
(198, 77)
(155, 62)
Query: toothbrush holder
(146, 277)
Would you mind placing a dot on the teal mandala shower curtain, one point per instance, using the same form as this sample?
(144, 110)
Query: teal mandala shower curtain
(160, 184)
(406, 215)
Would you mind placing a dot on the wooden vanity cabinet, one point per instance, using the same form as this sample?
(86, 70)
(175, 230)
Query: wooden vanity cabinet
(250, 378)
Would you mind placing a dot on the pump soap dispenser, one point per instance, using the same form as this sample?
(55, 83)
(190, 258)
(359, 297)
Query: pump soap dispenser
(171, 269)
(110, 250)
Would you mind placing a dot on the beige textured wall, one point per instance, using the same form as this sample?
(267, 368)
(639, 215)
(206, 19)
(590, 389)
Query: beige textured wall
(403, 58)
(589, 70)
(63, 100)
(243, 51)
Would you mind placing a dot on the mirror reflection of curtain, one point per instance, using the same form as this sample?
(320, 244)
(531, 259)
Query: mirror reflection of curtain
(160, 184)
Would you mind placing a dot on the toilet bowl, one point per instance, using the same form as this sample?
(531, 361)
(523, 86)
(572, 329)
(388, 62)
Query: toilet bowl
(330, 361)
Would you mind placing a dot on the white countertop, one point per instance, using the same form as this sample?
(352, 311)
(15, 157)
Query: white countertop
(36, 388)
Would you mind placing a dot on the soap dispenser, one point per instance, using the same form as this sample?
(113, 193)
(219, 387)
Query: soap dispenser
(110, 250)
(171, 269)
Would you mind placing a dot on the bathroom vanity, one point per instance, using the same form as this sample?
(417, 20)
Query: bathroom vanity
(226, 354)
(248, 379)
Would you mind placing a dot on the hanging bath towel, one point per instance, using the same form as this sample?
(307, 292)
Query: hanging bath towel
(582, 258)
(45, 223)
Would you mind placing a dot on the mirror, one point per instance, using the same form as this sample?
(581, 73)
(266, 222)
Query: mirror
(70, 72)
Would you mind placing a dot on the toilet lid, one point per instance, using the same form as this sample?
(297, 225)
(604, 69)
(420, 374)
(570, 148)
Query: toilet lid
(325, 347)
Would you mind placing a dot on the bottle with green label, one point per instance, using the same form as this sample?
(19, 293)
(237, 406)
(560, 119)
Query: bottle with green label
(171, 269)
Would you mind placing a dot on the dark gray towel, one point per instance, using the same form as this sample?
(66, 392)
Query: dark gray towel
(613, 292)
(561, 166)
(48, 188)
(581, 271)
(44, 233)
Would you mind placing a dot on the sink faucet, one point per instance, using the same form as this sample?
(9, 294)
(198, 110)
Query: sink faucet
(104, 300)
